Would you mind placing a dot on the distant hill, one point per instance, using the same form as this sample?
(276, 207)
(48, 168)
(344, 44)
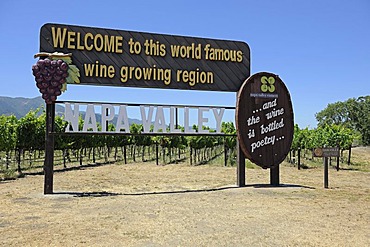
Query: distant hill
(20, 106)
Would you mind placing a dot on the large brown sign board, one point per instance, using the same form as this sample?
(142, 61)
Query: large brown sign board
(108, 57)
(264, 119)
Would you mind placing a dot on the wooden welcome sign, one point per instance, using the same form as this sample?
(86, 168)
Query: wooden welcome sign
(108, 57)
(264, 119)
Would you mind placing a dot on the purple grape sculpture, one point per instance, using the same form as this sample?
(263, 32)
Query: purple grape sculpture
(52, 72)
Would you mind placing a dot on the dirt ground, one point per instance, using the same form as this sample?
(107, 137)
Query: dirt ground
(143, 204)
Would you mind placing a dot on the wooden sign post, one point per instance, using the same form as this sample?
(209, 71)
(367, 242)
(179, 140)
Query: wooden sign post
(325, 153)
(49, 149)
(264, 121)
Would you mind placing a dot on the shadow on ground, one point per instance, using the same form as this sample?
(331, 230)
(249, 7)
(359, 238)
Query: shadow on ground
(66, 169)
(105, 193)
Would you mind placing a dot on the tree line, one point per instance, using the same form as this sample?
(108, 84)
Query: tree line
(353, 114)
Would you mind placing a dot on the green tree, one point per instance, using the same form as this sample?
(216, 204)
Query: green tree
(30, 135)
(352, 113)
(334, 113)
(229, 141)
(30, 132)
(135, 130)
(360, 116)
(8, 135)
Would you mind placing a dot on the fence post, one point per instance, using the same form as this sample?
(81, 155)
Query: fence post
(225, 152)
(299, 158)
(156, 153)
(349, 155)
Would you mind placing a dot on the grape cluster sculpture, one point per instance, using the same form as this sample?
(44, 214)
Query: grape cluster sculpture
(52, 73)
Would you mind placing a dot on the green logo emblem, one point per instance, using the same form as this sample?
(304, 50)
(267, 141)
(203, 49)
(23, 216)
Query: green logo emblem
(267, 84)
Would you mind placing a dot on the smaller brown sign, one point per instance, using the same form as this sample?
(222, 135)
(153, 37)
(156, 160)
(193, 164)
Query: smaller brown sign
(326, 152)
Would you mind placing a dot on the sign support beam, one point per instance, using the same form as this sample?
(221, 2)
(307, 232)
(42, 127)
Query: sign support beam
(240, 166)
(275, 175)
(326, 172)
(49, 149)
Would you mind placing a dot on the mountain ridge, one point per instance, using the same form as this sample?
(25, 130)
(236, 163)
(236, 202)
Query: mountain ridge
(20, 106)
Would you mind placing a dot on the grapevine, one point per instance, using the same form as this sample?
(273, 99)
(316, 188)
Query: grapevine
(52, 73)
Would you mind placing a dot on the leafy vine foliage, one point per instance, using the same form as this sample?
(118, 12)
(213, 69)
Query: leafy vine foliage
(339, 125)
(26, 137)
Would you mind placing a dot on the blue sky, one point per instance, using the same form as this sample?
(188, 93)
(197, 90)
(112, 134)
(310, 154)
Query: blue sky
(319, 48)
